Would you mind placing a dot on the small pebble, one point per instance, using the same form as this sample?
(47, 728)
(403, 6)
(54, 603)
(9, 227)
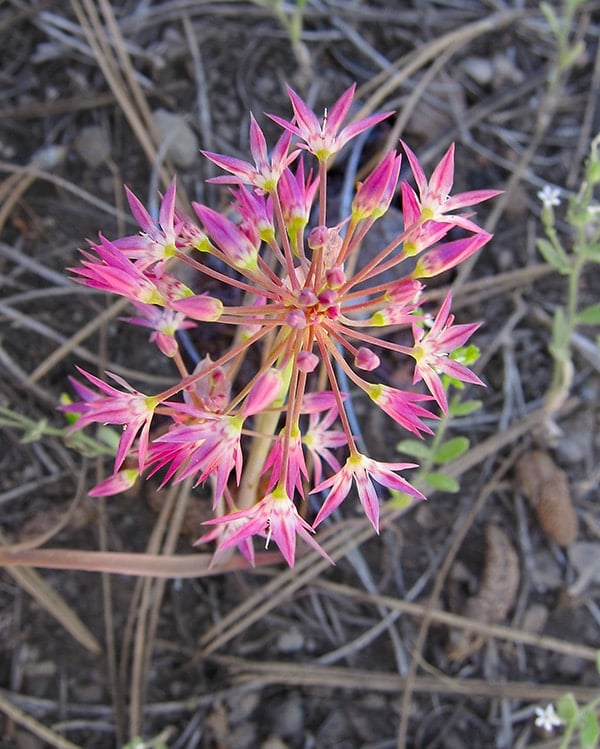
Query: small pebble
(274, 742)
(182, 145)
(241, 706)
(573, 448)
(288, 720)
(545, 573)
(93, 146)
(480, 69)
(49, 157)
(291, 641)
(535, 618)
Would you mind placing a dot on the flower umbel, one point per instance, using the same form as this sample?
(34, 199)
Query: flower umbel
(266, 429)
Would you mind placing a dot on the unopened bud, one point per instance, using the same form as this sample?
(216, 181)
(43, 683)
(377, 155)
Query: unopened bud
(307, 298)
(318, 237)
(265, 390)
(335, 277)
(366, 359)
(296, 319)
(306, 361)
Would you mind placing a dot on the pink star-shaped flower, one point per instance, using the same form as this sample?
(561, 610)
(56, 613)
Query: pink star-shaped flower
(432, 351)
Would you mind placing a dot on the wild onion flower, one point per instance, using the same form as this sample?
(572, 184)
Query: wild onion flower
(308, 308)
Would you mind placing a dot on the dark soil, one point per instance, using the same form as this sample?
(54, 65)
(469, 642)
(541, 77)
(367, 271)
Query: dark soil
(305, 664)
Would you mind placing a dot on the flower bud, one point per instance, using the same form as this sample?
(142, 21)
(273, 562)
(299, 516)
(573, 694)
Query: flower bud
(307, 298)
(318, 237)
(265, 390)
(366, 359)
(200, 307)
(306, 361)
(448, 255)
(335, 277)
(116, 484)
(374, 195)
(296, 319)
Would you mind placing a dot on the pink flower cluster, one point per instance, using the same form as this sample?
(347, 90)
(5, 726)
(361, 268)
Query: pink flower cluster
(304, 313)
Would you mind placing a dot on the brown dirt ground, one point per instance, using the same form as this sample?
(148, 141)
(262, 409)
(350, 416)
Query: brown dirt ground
(320, 657)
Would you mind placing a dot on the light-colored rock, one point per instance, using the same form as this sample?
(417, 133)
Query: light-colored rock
(93, 146)
(182, 143)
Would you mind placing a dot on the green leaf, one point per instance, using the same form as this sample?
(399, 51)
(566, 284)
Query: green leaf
(109, 436)
(456, 408)
(35, 432)
(442, 482)
(598, 661)
(451, 449)
(415, 449)
(590, 315)
(591, 251)
(567, 709)
(551, 18)
(552, 256)
(448, 381)
(466, 355)
(399, 500)
(589, 731)
(570, 56)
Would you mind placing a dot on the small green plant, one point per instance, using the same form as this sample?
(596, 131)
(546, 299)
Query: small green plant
(583, 218)
(441, 451)
(158, 742)
(32, 430)
(292, 20)
(567, 51)
(579, 721)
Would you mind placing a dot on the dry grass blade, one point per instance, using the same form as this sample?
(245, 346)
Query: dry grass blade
(385, 83)
(124, 87)
(419, 610)
(355, 679)
(34, 171)
(11, 191)
(164, 537)
(33, 726)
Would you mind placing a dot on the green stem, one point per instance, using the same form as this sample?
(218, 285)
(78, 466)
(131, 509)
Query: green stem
(563, 369)
(438, 438)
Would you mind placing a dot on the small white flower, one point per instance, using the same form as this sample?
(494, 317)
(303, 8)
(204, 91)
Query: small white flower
(547, 718)
(549, 195)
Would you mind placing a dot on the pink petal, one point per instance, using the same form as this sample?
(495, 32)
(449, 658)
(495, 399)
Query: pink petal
(140, 214)
(167, 209)
(442, 178)
(305, 117)
(355, 128)
(411, 210)
(417, 170)
(258, 145)
(339, 110)
(471, 197)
